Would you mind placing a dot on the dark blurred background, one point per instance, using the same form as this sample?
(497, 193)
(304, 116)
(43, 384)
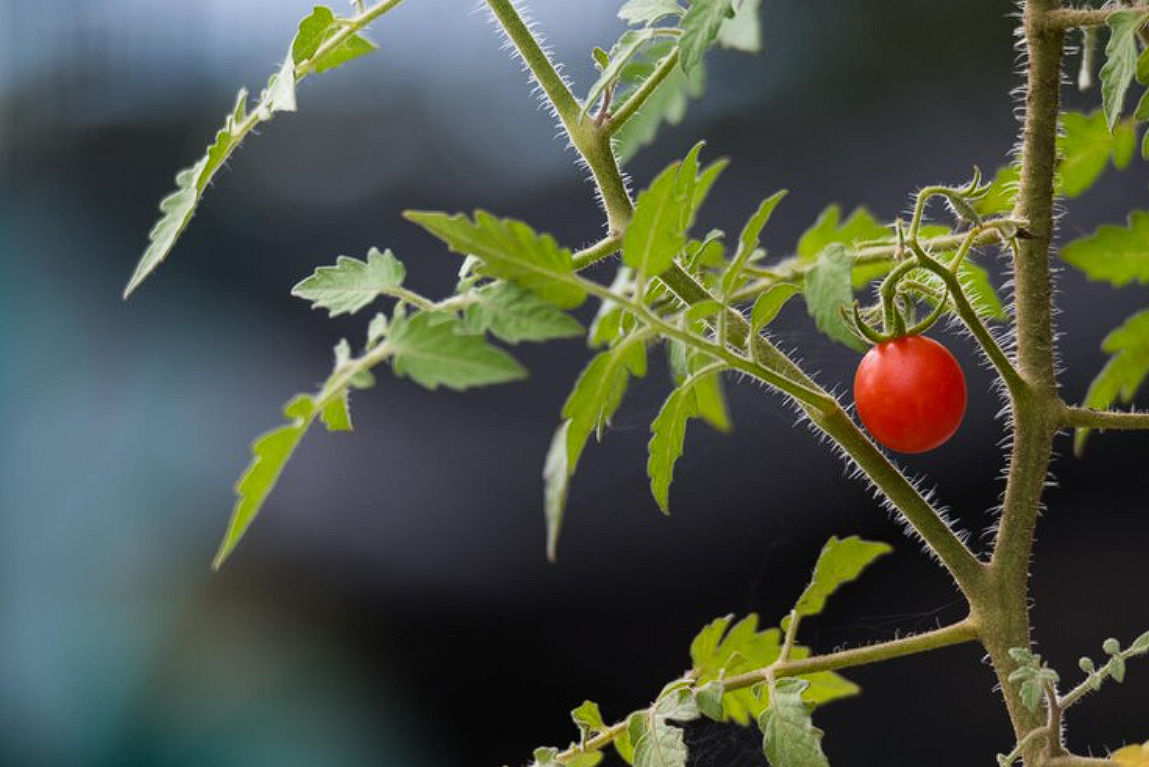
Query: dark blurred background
(392, 606)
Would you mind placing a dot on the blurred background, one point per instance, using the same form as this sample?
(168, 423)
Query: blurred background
(392, 605)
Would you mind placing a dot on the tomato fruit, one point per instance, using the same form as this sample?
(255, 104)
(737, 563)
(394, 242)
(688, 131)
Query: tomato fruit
(910, 394)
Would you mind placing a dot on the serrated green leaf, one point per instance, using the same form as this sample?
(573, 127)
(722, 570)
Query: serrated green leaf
(748, 242)
(599, 391)
(980, 291)
(431, 349)
(510, 250)
(270, 453)
(829, 292)
(546, 757)
(318, 28)
(1114, 254)
(588, 719)
(667, 435)
(657, 231)
(789, 737)
(742, 31)
(661, 746)
(828, 229)
(769, 303)
(514, 314)
(648, 11)
(1085, 148)
(1124, 143)
(1120, 61)
(717, 651)
(1125, 371)
(351, 284)
(706, 181)
(841, 561)
(700, 28)
(712, 401)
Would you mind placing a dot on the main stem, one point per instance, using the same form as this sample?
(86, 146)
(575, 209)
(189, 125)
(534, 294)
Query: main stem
(1003, 609)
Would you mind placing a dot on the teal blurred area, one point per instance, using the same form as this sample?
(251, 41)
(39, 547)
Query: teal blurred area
(392, 605)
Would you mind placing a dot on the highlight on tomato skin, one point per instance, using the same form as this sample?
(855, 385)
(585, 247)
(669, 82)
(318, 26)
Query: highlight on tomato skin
(910, 394)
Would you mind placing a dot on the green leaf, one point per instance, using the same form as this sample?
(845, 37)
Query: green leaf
(661, 746)
(270, 453)
(828, 229)
(599, 391)
(431, 349)
(769, 303)
(557, 471)
(980, 291)
(1085, 148)
(588, 719)
(621, 54)
(742, 31)
(514, 314)
(546, 757)
(700, 28)
(789, 736)
(1125, 371)
(648, 11)
(748, 242)
(717, 652)
(829, 291)
(657, 231)
(1124, 143)
(998, 199)
(712, 401)
(667, 435)
(336, 414)
(317, 29)
(626, 741)
(1120, 61)
(841, 561)
(510, 250)
(709, 700)
(351, 284)
(1114, 254)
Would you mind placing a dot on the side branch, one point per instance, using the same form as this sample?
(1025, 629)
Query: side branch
(1068, 18)
(957, 633)
(1088, 418)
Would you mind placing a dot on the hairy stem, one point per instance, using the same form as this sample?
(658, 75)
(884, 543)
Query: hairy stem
(1088, 418)
(1004, 609)
(1061, 19)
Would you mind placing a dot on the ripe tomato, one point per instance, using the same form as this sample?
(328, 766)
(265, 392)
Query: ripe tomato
(910, 394)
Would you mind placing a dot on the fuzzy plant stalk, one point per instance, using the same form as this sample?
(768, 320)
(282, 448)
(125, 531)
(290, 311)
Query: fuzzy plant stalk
(709, 302)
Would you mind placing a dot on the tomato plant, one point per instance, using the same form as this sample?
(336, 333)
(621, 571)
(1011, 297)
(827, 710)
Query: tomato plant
(910, 393)
(709, 301)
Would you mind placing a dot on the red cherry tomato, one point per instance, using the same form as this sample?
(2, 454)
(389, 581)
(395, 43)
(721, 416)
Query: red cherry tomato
(910, 394)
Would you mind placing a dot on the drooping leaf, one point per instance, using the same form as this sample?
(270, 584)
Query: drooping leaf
(700, 28)
(709, 700)
(178, 207)
(789, 737)
(270, 453)
(432, 349)
(1114, 254)
(599, 391)
(743, 30)
(1120, 61)
(722, 651)
(668, 433)
(662, 745)
(829, 292)
(509, 250)
(351, 284)
(317, 29)
(336, 414)
(514, 314)
(828, 229)
(626, 741)
(1125, 371)
(841, 561)
(557, 471)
